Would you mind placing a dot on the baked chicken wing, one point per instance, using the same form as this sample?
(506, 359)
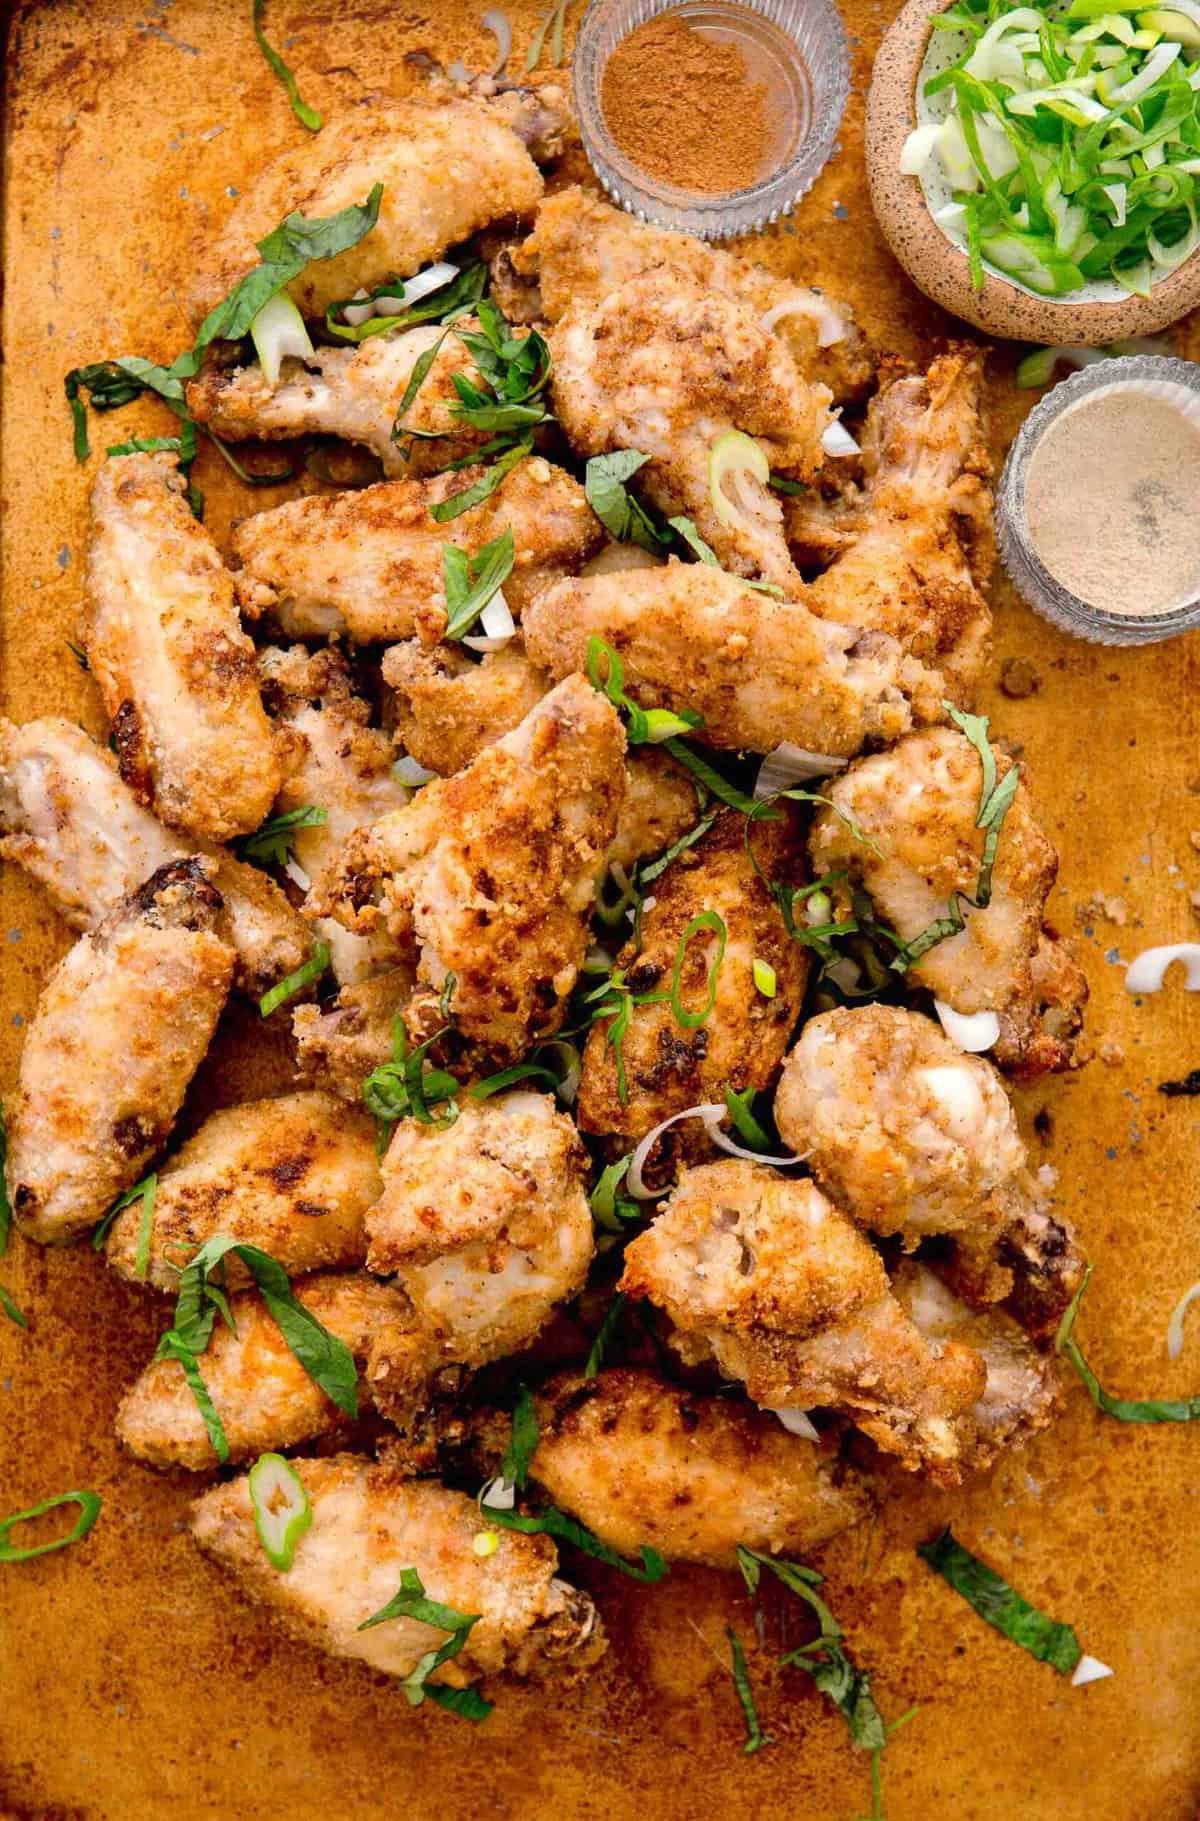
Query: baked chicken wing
(918, 806)
(340, 1042)
(765, 1276)
(673, 1053)
(368, 564)
(913, 1137)
(122, 1025)
(174, 668)
(665, 366)
(640, 1460)
(370, 1523)
(760, 671)
(582, 248)
(69, 818)
(485, 1223)
(292, 1175)
(446, 170)
(263, 1396)
(493, 871)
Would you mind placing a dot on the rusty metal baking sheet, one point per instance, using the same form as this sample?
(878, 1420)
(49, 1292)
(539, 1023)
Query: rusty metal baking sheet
(135, 1680)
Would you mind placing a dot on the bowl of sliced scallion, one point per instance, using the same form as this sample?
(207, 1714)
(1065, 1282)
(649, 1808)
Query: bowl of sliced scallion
(1036, 167)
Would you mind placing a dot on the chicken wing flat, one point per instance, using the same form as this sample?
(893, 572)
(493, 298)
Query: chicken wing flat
(293, 1175)
(340, 765)
(486, 1223)
(122, 1024)
(493, 871)
(918, 804)
(368, 564)
(1021, 1394)
(666, 367)
(262, 1394)
(446, 171)
(581, 249)
(665, 1062)
(339, 1043)
(919, 545)
(69, 818)
(640, 1460)
(911, 1136)
(760, 671)
(767, 1277)
(174, 668)
(369, 1523)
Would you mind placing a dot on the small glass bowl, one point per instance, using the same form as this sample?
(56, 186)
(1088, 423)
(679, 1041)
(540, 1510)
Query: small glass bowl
(1151, 373)
(797, 46)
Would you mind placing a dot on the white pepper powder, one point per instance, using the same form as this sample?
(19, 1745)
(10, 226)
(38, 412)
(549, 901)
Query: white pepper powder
(1112, 501)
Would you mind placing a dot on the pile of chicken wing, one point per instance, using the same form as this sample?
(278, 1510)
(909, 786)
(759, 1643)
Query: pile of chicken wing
(892, 1264)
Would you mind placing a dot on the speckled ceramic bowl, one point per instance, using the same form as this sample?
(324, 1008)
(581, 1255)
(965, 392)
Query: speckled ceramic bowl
(939, 268)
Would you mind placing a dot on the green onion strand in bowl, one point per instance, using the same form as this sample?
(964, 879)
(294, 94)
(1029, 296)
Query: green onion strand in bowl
(1070, 139)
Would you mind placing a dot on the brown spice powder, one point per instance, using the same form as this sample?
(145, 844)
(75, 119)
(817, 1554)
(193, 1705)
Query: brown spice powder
(684, 107)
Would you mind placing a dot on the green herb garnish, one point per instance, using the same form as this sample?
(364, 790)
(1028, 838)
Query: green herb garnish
(522, 1446)
(145, 1192)
(623, 516)
(457, 297)
(744, 1123)
(706, 920)
(1125, 1410)
(274, 842)
(472, 581)
(307, 116)
(295, 983)
(553, 24)
(89, 1510)
(613, 1317)
(609, 1207)
(756, 1738)
(552, 1522)
(412, 1603)
(1000, 1605)
(406, 1088)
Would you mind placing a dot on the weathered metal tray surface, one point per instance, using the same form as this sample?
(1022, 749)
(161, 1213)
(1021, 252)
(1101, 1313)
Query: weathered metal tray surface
(136, 1681)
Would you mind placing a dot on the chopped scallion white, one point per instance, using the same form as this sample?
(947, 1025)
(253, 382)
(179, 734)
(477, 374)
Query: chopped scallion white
(278, 332)
(765, 980)
(971, 1031)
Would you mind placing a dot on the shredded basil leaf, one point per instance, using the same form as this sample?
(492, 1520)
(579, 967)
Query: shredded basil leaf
(472, 581)
(273, 843)
(713, 782)
(552, 1522)
(507, 1078)
(710, 920)
(458, 297)
(484, 487)
(10, 1308)
(307, 116)
(89, 1510)
(405, 1088)
(411, 1602)
(523, 1442)
(467, 1703)
(613, 1317)
(1125, 1410)
(295, 983)
(1000, 1605)
(553, 24)
(756, 1738)
(274, 478)
(623, 517)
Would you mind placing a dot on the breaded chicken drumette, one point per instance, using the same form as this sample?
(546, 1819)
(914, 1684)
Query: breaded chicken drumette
(485, 1223)
(582, 248)
(640, 1460)
(765, 1276)
(915, 543)
(492, 872)
(760, 671)
(122, 1024)
(69, 818)
(913, 1137)
(447, 171)
(340, 1042)
(173, 666)
(369, 564)
(666, 366)
(292, 1175)
(662, 1064)
(370, 1523)
(263, 1396)
(918, 805)
(340, 765)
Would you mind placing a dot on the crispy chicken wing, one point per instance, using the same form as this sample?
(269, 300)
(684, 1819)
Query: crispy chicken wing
(766, 1276)
(262, 1394)
(369, 564)
(69, 818)
(339, 1043)
(354, 393)
(760, 671)
(640, 1460)
(342, 766)
(174, 668)
(122, 1024)
(1020, 1397)
(582, 248)
(918, 546)
(666, 366)
(493, 871)
(661, 1064)
(911, 1136)
(369, 1523)
(918, 804)
(293, 1175)
(486, 1223)
(446, 170)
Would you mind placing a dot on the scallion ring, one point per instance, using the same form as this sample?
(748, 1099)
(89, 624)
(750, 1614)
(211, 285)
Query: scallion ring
(282, 1512)
(89, 1510)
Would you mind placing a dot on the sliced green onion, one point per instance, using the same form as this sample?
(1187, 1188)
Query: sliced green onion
(307, 116)
(295, 983)
(282, 1512)
(731, 457)
(707, 920)
(765, 979)
(89, 1511)
(277, 332)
